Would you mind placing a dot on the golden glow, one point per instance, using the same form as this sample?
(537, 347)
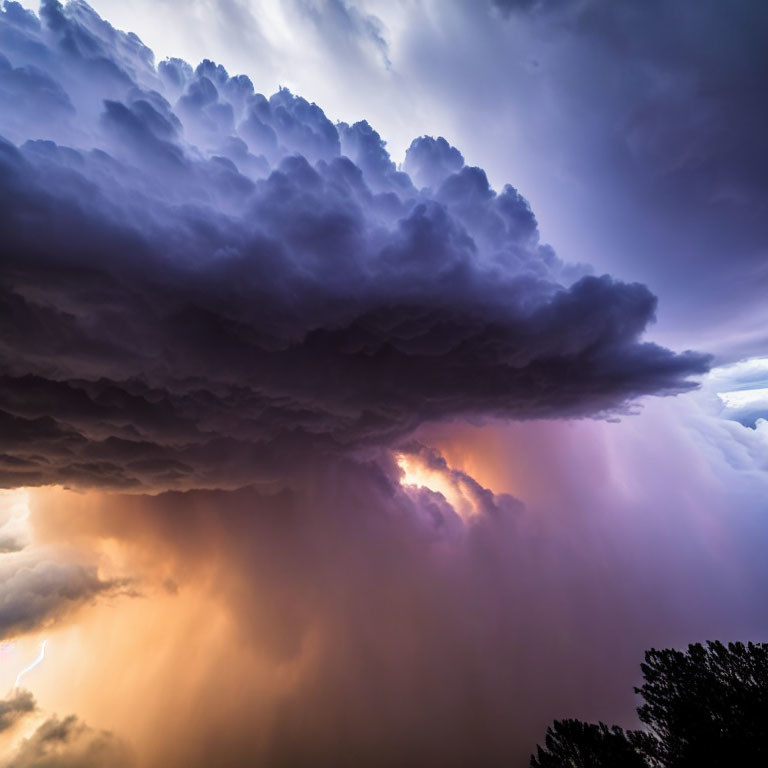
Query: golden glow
(15, 503)
(16, 653)
(14, 514)
(161, 644)
(417, 474)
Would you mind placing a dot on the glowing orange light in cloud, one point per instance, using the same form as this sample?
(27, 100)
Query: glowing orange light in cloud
(452, 485)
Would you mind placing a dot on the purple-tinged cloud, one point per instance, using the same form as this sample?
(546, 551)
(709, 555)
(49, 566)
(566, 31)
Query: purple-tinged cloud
(201, 285)
(429, 162)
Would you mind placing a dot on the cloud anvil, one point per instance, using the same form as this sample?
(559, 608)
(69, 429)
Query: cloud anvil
(196, 275)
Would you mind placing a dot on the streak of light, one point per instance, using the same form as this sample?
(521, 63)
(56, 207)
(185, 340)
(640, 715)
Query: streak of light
(31, 666)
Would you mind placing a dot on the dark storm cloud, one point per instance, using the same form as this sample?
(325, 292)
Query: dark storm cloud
(663, 123)
(209, 284)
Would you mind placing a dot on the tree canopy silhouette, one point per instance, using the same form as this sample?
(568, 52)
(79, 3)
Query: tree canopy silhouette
(704, 707)
(574, 744)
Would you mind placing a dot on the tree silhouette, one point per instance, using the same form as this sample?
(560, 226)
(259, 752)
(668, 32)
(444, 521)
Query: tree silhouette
(574, 744)
(704, 707)
(708, 706)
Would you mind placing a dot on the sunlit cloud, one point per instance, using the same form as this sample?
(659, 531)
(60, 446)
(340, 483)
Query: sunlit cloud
(743, 390)
(14, 520)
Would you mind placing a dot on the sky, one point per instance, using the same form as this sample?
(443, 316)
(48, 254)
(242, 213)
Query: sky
(378, 380)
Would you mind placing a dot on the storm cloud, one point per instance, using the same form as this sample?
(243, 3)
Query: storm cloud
(351, 430)
(37, 590)
(657, 109)
(201, 284)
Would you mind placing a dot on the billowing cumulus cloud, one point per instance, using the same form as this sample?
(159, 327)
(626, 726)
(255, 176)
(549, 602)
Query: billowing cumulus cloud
(202, 284)
(429, 162)
(742, 390)
(255, 313)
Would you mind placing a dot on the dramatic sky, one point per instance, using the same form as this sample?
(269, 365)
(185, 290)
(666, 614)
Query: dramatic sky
(378, 379)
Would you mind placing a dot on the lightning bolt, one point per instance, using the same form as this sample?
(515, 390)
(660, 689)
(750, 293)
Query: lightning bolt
(24, 671)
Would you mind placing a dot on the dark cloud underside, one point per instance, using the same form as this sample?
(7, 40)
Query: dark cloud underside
(200, 284)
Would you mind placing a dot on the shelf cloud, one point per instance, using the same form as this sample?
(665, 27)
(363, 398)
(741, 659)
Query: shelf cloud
(202, 283)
